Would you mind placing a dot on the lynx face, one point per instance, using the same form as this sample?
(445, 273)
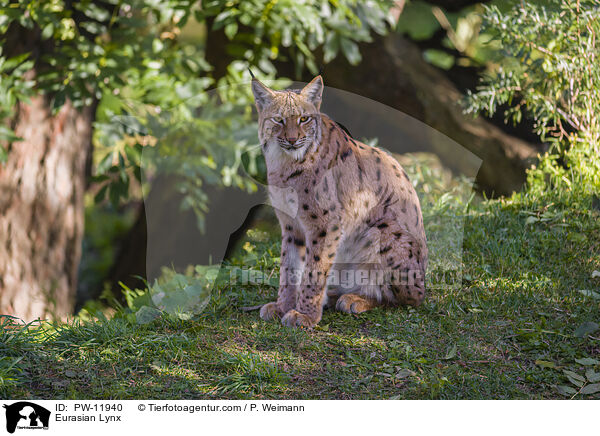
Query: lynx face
(289, 121)
(345, 209)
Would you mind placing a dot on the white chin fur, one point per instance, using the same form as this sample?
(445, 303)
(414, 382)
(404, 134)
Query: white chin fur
(275, 151)
(298, 153)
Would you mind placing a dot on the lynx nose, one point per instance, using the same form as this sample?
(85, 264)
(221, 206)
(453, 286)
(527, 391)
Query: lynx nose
(292, 140)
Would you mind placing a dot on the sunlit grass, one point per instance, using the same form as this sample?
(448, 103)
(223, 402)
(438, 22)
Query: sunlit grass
(509, 329)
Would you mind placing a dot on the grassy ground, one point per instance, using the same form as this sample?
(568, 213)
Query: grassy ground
(520, 324)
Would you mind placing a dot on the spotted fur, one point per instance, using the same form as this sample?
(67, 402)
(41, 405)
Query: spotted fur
(344, 208)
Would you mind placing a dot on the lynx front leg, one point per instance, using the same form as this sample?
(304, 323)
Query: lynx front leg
(290, 272)
(320, 252)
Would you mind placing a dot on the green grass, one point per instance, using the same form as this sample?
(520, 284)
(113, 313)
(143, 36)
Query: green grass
(508, 330)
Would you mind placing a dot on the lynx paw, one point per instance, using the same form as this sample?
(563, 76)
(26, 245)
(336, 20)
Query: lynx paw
(352, 303)
(270, 311)
(296, 319)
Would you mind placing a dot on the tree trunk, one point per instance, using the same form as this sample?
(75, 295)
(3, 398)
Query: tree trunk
(42, 211)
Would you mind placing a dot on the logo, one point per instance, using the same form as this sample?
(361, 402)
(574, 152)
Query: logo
(26, 415)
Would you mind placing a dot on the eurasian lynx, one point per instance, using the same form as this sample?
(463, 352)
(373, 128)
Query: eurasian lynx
(350, 219)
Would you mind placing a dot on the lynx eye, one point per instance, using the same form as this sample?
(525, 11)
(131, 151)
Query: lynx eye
(303, 119)
(278, 120)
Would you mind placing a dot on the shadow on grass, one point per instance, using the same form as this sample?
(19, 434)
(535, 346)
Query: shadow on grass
(506, 332)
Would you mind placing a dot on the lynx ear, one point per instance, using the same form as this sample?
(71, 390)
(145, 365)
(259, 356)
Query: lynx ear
(313, 92)
(262, 95)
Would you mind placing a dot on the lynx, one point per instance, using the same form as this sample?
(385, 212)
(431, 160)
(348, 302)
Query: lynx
(351, 223)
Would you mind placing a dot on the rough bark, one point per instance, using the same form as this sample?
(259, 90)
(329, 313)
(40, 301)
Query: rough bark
(42, 211)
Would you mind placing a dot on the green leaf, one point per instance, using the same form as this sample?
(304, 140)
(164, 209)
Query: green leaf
(574, 378)
(8, 135)
(140, 301)
(590, 389)
(531, 220)
(451, 354)
(331, 47)
(147, 314)
(587, 361)
(110, 105)
(195, 291)
(417, 21)
(595, 295)
(573, 375)
(439, 58)
(14, 61)
(585, 329)
(566, 390)
(101, 195)
(231, 30)
(404, 373)
(545, 364)
(350, 50)
(592, 376)
(47, 31)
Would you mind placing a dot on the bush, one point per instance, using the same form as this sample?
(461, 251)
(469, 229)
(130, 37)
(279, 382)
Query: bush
(548, 67)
